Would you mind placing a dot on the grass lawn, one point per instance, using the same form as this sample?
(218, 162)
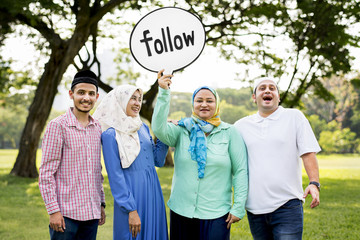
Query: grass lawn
(23, 214)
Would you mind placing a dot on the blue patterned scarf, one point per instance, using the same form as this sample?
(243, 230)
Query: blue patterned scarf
(197, 129)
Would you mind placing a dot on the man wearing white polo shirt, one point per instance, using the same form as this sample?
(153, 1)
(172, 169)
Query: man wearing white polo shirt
(277, 139)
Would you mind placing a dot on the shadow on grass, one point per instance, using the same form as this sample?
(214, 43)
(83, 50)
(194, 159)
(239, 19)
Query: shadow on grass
(23, 214)
(22, 210)
(337, 216)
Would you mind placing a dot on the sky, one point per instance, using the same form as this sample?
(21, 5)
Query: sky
(209, 69)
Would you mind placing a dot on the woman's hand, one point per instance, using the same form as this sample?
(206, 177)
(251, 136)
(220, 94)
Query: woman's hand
(175, 122)
(164, 81)
(231, 219)
(134, 223)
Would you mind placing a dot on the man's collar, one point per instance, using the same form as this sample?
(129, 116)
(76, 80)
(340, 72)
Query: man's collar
(274, 116)
(72, 120)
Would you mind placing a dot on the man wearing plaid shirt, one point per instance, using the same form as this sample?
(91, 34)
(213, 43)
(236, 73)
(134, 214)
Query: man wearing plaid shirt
(70, 179)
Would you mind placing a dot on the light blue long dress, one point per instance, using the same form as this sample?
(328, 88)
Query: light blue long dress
(137, 187)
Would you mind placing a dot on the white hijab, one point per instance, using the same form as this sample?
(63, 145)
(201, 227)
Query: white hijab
(111, 112)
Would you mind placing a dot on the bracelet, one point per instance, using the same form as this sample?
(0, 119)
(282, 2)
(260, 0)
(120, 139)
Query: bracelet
(316, 184)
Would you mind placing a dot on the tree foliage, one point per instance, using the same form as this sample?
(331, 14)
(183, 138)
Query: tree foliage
(337, 140)
(312, 38)
(231, 113)
(345, 108)
(62, 28)
(238, 97)
(318, 125)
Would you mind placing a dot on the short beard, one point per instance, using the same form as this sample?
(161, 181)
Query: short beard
(83, 111)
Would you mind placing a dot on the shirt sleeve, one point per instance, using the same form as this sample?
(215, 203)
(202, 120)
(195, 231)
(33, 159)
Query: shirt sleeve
(167, 132)
(102, 192)
(119, 189)
(305, 137)
(51, 156)
(160, 150)
(239, 163)
(102, 189)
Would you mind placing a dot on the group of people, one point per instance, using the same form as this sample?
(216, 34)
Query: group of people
(221, 171)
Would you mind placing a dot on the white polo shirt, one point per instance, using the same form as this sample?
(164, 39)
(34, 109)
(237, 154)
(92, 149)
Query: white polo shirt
(274, 145)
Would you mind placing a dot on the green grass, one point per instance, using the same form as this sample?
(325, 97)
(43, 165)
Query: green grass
(23, 214)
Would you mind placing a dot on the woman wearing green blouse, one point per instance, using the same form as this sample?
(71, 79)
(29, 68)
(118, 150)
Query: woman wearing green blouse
(210, 161)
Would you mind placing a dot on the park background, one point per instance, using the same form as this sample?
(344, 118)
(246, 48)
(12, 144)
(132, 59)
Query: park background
(311, 47)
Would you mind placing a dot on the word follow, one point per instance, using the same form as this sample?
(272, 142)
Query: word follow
(167, 43)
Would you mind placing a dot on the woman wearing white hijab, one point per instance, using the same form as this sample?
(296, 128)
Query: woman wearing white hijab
(130, 157)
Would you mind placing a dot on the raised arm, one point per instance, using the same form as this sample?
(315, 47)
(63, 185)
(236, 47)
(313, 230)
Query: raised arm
(163, 130)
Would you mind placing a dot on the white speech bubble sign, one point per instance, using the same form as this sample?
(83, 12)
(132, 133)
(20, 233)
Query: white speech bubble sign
(168, 38)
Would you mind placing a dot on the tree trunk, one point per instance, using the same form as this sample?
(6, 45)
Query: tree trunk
(148, 102)
(169, 162)
(25, 165)
(147, 111)
(63, 53)
(61, 57)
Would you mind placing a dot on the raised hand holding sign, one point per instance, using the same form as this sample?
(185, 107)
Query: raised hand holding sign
(168, 38)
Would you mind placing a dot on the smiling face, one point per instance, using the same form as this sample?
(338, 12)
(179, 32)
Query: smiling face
(204, 104)
(266, 97)
(134, 105)
(84, 96)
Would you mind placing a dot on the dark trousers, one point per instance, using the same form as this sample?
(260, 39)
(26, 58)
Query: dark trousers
(76, 230)
(183, 228)
(285, 223)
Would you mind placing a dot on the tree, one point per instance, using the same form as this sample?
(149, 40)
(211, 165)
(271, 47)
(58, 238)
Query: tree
(338, 141)
(230, 113)
(345, 107)
(355, 118)
(316, 29)
(45, 17)
(181, 102)
(312, 38)
(318, 125)
(238, 97)
(11, 125)
(13, 112)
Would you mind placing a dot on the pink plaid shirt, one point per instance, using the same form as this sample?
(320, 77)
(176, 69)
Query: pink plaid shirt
(70, 179)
